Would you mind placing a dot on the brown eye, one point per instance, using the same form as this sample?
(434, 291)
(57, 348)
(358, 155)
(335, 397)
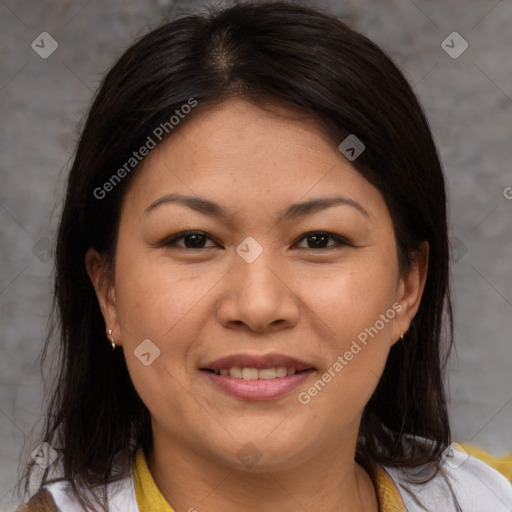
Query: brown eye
(320, 239)
(191, 239)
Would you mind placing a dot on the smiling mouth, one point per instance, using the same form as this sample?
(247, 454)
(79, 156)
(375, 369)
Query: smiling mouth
(257, 376)
(248, 373)
(254, 384)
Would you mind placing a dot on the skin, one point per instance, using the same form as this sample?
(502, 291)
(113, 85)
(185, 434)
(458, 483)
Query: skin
(197, 305)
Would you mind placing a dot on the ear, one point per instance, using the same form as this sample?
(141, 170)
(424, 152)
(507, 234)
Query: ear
(410, 290)
(105, 291)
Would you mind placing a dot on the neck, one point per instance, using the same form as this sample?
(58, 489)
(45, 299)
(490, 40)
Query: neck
(189, 480)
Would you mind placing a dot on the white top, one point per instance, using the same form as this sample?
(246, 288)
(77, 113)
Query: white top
(464, 484)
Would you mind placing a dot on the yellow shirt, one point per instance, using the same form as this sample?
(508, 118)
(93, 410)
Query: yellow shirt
(149, 498)
(501, 464)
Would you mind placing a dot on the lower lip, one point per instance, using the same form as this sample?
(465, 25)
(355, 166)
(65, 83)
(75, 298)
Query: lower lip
(258, 389)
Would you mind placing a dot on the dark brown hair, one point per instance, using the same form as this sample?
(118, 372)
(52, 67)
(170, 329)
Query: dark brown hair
(263, 52)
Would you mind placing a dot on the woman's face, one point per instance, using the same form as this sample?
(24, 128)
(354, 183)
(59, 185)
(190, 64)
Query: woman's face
(251, 289)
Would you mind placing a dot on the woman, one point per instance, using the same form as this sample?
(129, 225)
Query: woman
(252, 278)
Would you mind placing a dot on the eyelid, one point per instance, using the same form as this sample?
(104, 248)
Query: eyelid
(339, 240)
(171, 240)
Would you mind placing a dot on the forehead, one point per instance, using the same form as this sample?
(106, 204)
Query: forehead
(237, 131)
(246, 154)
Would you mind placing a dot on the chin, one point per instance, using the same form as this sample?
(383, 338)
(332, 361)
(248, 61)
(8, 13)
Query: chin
(260, 456)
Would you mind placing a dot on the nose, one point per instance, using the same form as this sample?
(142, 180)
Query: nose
(258, 295)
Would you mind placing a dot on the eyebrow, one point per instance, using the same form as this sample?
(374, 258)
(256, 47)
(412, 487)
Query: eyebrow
(292, 212)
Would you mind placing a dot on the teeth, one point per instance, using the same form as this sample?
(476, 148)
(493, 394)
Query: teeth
(235, 372)
(267, 373)
(249, 373)
(281, 371)
(254, 373)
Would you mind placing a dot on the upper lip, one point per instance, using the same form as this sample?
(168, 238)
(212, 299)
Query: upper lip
(257, 361)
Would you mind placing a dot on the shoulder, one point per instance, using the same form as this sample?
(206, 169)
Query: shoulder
(463, 483)
(58, 497)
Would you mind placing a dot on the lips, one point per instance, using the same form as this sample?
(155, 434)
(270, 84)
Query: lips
(257, 377)
(257, 362)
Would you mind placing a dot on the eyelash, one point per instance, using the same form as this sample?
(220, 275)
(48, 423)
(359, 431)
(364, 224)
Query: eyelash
(339, 241)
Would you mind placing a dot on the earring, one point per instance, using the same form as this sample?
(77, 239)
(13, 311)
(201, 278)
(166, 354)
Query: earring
(402, 335)
(111, 339)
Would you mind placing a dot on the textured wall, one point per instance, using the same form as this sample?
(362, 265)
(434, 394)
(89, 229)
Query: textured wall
(468, 100)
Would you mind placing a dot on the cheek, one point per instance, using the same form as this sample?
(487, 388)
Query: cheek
(167, 305)
(352, 297)
(159, 304)
(355, 305)
(156, 296)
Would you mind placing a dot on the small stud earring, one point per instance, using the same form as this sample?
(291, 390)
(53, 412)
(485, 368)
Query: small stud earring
(111, 339)
(402, 335)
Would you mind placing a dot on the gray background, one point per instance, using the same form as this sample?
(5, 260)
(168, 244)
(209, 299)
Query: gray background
(468, 101)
